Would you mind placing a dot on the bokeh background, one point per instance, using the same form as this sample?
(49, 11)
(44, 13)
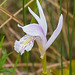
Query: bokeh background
(11, 14)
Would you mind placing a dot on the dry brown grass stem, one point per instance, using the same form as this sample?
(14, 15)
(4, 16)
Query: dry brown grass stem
(14, 33)
(56, 52)
(7, 44)
(38, 65)
(24, 7)
(57, 6)
(13, 16)
(51, 55)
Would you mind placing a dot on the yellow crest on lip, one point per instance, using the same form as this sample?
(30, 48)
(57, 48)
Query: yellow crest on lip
(27, 40)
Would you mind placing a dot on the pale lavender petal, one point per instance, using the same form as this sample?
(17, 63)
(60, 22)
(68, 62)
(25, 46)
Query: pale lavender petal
(42, 17)
(35, 16)
(34, 30)
(29, 46)
(20, 47)
(55, 33)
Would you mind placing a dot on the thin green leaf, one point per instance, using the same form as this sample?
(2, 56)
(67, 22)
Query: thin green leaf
(3, 3)
(8, 71)
(61, 41)
(1, 42)
(24, 20)
(24, 11)
(5, 70)
(2, 61)
(16, 64)
(72, 40)
(68, 26)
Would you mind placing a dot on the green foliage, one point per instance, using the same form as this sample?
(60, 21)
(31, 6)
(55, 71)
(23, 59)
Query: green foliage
(58, 72)
(3, 3)
(61, 41)
(2, 62)
(3, 70)
(3, 59)
(1, 41)
(73, 67)
(66, 70)
(16, 63)
(8, 71)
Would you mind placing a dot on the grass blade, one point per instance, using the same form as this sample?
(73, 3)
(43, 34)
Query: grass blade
(3, 59)
(26, 54)
(1, 41)
(70, 51)
(61, 41)
(16, 64)
(24, 11)
(3, 3)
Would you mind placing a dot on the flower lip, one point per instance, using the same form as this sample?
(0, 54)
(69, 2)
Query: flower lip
(20, 45)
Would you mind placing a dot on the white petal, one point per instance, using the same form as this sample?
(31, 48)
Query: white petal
(19, 26)
(55, 33)
(35, 16)
(29, 46)
(42, 17)
(34, 30)
(20, 47)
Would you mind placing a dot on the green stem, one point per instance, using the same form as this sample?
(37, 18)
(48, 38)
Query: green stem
(3, 3)
(27, 56)
(44, 65)
(70, 52)
(13, 73)
(23, 12)
(61, 41)
(68, 28)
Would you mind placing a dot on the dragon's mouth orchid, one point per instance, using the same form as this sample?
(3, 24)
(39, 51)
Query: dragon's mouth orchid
(37, 32)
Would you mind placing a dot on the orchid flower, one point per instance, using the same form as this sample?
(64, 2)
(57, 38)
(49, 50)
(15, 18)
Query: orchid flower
(38, 33)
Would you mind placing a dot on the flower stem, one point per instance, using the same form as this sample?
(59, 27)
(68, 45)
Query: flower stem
(23, 12)
(13, 73)
(44, 65)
